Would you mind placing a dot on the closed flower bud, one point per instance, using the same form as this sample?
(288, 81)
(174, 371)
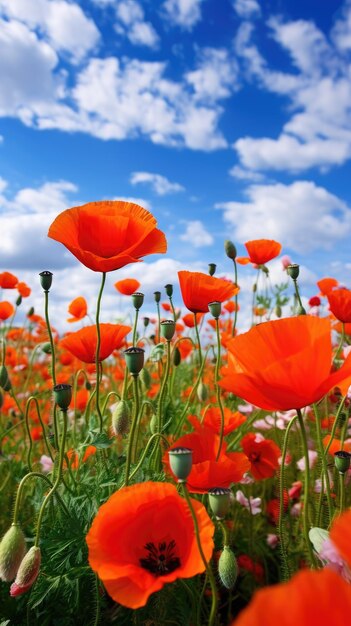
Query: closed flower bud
(46, 347)
(212, 268)
(46, 279)
(30, 312)
(230, 249)
(138, 300)
(27, 572)
(177, 357)
(169, 290)
(153, 424)
(120, 418)
(167, 329)
(87, 385)
(12, 551)
(228, 568)
(145, 378)
(19, 301)
(146, 321)
(3, 376)
(63, 395)
(181, 461)
(202, 392)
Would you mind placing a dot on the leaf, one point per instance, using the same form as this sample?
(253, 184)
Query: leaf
(102, 440)
(157, 352)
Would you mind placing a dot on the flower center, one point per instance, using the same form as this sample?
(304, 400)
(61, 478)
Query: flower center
(254, 457)
(160, 560)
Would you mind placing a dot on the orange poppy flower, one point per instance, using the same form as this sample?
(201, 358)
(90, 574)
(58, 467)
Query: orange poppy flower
(340, 535)
(108, 235)
(310, 597)
(143, 537)
(207, 473)
(263, 455)
(326, 285)
(260, 251)
(336, 445)
(78, 309)
(73, 456)
(6, 310)
(231, 306)
(82, 343)
(232, 420)
(127, 286)
(185, 348)
(8, 280)
(340, 303)
(284, 364)
(23, 290)
(189, 321)
(198, 290)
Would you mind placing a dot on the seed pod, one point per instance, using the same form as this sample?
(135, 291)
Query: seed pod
(27, 572)
(228, 568)
(120, 418)
(12, 551)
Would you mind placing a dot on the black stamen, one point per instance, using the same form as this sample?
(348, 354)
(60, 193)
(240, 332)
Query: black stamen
(161, 560)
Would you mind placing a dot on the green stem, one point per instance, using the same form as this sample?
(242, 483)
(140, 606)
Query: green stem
(235, 298)
(97, 354)
(48, 326)
(141, 461)
(135, 326)
(130, 447)
(325, 474)
(20, 490)
(198, 341)
(307, 489)
(341, 492)
(341, 343)
(185, 410)
(218, 390)
(286, 569)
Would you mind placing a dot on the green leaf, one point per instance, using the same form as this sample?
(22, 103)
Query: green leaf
(102, 440)
(157, 352)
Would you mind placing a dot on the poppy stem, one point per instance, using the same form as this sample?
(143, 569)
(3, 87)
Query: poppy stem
(130, 447)
(325, 474)
(341, 343)
(97, 354)
(198, 340)
(235, 297)
(305, 511)
(52, 345)
(135, 326)
(20, 490)
(218, 390)
(341, 492)
(284, 554)
(207, 565)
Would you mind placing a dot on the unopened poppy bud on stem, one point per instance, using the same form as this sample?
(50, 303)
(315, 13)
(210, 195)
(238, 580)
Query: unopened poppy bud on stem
(230, 249)
(228, 568)
(212, 269)
(202, 392)
(27, 572)
(120, 418)
(46, 279)
(12, 551)
(181, 461)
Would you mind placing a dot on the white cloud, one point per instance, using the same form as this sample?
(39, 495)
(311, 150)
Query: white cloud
(301, 216)
(341, 31)
(64, 24)
(246, 8)
(160, 184)
(141, 201)
(131, 23)
(319, 93)
(183, 13)
(196, 234)
(216, 76)
(243, 174)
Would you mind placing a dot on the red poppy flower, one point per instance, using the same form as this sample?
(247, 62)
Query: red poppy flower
(6, 310)
(108, 235)
(314, 301)
(8, 280)
(231, 306)
(232, 420)
(189, 321)
(23, 290)
(311, 597)
(260, 251)
(340, 303)
(78, 309)
(206, 472)
(143, 537)
(340, 535)
(198, 290)
(246, 563)
(326, 285)
(127, 286)
(284, 364)
(82, 343)
(263, 455)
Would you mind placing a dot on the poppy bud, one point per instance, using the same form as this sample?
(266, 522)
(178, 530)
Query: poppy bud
(120, 418)
(177, 357)
(212, 268)
(293, 270)
(12, 551)
(215, 309)
(27, 572)
(46, 347)
(30, 312)
(134, 359)
(138, 300)
(3, 376)
(181, 461)
(167, 329)
(157, 295)
(278, 310)
(202, 392)
(153, 424)
(169, 290)
(219, 500)
(145, 378)
(19, 301)
(63, 395)
(87, 385)
(46, 279)
(230, 249)
(342, 461)
(7, 386)
(228, 568)
(146, 321)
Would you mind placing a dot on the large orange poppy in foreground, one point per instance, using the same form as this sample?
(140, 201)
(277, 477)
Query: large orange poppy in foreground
(108, 235)
(82, 343)
(284, 364)
(199, 289)
(143, 537)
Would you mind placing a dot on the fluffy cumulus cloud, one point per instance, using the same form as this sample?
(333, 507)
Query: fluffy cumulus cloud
(216, 76)
(300, 215)
(131, 23)
(317, 88)
(160, 184)
(183, 13)
(196, 234)
(246, 8)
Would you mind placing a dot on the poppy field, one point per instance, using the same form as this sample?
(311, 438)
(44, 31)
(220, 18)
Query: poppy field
(190, 468)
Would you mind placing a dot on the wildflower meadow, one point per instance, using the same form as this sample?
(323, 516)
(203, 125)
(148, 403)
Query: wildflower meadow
(190, 468)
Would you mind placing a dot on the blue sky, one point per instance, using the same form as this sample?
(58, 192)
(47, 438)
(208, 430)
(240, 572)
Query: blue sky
(226, 118)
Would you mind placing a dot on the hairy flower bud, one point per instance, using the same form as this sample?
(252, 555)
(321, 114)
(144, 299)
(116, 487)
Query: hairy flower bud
(230, 249)
(202, 392)
(12, 551)
(120, 418)
(228, 568)
(27, 572)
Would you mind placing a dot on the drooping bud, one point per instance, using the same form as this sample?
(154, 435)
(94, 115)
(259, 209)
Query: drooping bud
(27, 572)
(202, 392)
(215, 309)
(153, 424)
(167, 329)
(12, 551)
(177, 357)
(230, 249)
(120, 418)
(63, 395)
(181, 461)
(228, 568)
(134, 359)
(46, 279)
(219, 500)
(212, 268)
(138, 300)
(146, 321)
(19, 300)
